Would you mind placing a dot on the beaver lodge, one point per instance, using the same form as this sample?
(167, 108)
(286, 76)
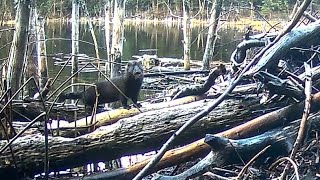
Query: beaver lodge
(256, 117)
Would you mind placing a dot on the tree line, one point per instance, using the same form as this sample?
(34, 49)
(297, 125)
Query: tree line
(152, 8)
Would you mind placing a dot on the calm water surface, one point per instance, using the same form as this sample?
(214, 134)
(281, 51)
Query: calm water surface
(166, 39)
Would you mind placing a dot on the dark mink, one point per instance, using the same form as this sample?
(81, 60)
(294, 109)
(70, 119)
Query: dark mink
(130, 84)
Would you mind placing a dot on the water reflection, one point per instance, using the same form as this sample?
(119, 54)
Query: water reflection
(167, 39)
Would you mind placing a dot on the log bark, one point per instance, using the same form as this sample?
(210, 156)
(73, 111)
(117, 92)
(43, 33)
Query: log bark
(223, 153)
(153, 129)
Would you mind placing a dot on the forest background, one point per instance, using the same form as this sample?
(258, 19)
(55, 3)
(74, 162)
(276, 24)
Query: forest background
(158, 9)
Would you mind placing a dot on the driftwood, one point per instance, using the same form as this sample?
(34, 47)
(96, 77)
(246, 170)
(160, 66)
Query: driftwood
(279, 86)
(199, 90)
(199, 147)
(165, 147)
(154, 127)
(240, 53)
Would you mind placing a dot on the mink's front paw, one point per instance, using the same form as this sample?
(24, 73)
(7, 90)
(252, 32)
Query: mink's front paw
(126, 107)
(138, 105)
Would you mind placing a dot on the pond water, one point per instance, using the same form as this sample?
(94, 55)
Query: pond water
(167, 39)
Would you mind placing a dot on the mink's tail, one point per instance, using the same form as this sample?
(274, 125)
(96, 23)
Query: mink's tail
(72, 95)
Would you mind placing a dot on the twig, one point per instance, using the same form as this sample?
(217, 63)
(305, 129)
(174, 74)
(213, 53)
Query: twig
(244, 169)
(200, 9)
(21, 132)
(310, 17)
(291, 161)
(304, 121)
(171, 13)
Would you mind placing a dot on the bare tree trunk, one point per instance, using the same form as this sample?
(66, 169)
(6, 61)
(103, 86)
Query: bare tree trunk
(186, 34)
(107, 33)
(61, 8)
(19, 45)
(117, 37)
(94, 39)
(31, 69)
(42, 53)
(251, 10)
(212, 33)
(75, 41)
(54, 8)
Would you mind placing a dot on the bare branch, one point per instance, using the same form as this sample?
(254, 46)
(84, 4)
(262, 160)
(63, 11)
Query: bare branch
(171, 13)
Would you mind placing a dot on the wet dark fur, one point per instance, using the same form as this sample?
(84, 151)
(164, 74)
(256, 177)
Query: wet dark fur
(130, 84)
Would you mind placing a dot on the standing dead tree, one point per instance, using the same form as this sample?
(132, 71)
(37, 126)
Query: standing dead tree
(107, 33)
(117, 37)
(212, 33)
(94, 39)
(19, 45)
(41, 53)
(75, 41)
(186, 28)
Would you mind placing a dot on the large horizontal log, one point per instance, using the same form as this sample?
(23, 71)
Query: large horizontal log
(67, 129)
(137, 134)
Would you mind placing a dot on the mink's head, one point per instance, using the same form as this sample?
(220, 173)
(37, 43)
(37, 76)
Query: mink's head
(134, 69)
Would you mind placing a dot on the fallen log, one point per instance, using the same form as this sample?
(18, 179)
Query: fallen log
(199, 90)
(199, 147)
(142, 133)
(281, 141)
(67, 129)
(227, 151)
(296, 37)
